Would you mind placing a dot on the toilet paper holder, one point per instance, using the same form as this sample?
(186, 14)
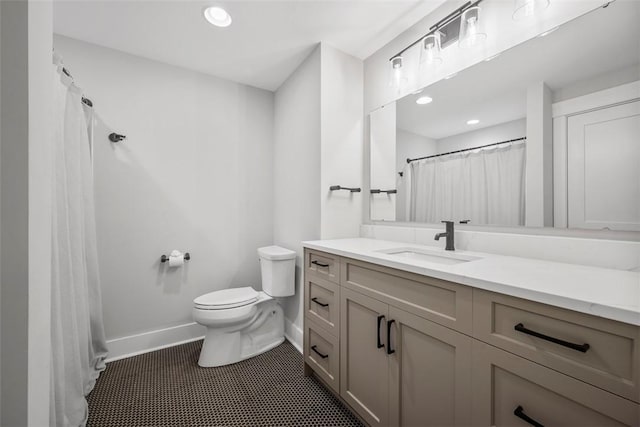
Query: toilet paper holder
(165, 258)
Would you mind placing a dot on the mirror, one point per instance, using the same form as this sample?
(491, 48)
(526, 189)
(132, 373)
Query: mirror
(545, 134)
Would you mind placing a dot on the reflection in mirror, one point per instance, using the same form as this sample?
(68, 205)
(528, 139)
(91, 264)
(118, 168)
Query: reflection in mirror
(545, 134)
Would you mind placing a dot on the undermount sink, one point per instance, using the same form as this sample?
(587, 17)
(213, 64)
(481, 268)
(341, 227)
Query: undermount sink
(427, 255)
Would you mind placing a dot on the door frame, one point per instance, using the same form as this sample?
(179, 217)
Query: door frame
(561, 111)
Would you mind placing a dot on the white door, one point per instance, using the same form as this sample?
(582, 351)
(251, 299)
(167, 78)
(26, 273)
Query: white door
(604, 168)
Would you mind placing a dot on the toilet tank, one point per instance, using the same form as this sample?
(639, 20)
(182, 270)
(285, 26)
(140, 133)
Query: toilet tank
(278, 266)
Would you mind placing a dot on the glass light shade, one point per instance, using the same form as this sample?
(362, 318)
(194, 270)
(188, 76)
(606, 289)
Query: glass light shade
(526, 8)
(471, 28)
(397, 76)
(430, 50)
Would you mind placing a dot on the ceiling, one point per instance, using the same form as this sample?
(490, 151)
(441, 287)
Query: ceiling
(265, 43)
(601, 42)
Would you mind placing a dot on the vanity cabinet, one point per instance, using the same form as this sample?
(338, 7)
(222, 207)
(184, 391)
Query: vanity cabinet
(404, 349)
(400, 369)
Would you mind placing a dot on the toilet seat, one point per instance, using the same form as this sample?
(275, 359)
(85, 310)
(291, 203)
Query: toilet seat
(226, 298)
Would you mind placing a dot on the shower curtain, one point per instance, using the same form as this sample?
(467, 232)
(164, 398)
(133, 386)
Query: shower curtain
(78, 342)
(484, 186)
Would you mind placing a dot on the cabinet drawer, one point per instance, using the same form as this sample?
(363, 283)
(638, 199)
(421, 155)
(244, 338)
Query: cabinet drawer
(506, 385)
(321, 264)
(322, 354)
(611, 360)
(443, 302)
(322, 303)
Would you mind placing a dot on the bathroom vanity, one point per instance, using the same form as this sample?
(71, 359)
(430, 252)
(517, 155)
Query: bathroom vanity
(409, 335)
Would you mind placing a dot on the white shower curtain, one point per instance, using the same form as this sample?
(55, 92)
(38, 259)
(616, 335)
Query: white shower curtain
(484, 186)
(77, 335)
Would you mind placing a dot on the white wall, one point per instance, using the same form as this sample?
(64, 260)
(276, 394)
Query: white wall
(489, 135)
(597, 83)
(341, 124)
(318, 143)
(25, 248)
(296, 173)
(410, 145)
(539, 170)
(382, 162)
(195, 174)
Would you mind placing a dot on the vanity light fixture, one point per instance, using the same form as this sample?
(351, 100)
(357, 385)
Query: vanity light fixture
(423, 100)
(527, 8)
(473, 122)
(462, 25)
(217, 16)
(471, 28)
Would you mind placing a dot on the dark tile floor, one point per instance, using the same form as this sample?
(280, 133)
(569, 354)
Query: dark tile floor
(168, 388)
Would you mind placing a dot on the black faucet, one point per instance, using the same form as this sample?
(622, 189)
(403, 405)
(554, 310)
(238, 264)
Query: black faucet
(448, 235)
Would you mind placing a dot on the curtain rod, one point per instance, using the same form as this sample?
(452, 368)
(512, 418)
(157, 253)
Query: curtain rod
(466, 149)
(113, 137)
(85, 101)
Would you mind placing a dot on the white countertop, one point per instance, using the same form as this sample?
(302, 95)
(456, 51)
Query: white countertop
(612, 294)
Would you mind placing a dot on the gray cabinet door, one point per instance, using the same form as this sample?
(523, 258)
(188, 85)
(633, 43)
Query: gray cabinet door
(430, 373)
(364, 370)
(512, 391)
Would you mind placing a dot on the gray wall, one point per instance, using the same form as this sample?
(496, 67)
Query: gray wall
(296, 163)
(195, 174)
(25, 203)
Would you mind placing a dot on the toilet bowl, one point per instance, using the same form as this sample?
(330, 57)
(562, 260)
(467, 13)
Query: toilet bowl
(243, 322)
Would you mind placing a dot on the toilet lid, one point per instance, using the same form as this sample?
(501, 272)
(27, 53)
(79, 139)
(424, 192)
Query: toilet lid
(226, 298)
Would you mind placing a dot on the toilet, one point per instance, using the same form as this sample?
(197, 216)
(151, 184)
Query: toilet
(243, 322)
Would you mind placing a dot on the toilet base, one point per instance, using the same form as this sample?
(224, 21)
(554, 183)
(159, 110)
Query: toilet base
(222, 347)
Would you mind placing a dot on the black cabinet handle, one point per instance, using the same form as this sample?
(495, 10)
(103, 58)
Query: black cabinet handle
(380, 318)
(319, 264)
(519, 412)
(578, 347)
(324, 356)
(321, 304)
(389, 349)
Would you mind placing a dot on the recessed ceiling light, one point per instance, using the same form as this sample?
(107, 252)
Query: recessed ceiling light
(450, 76)
(546, 33)
(473, 122)
(424, 100)
(217, 16)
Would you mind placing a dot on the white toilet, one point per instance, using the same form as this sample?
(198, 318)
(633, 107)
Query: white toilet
(242, 322)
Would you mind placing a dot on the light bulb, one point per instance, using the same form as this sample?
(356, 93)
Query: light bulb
(430, 50)
(397, 78)
(471, 32)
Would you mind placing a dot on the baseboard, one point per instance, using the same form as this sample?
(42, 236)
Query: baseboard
(293, 333)
(120, 348)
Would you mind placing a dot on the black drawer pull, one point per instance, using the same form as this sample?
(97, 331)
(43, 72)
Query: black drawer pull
(578, 347)
(380, 318)
(389, 349)
(319, 264)
(321, 304)
(324, 356)
(519, 412)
